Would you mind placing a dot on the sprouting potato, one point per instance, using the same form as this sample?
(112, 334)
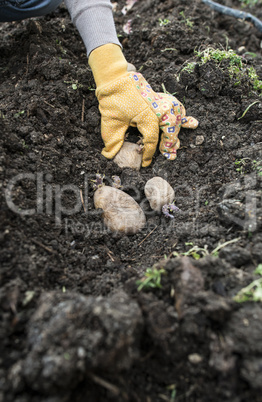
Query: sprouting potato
(121, 213)
(131, 67)
(130, 155)
(159, 192)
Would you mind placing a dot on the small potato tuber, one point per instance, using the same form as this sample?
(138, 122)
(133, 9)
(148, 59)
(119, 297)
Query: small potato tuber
(130, 155)
(130, 67)
(121, 213)
(159, 192)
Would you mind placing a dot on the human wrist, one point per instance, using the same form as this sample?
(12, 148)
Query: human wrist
(107, 63)
(94, 21)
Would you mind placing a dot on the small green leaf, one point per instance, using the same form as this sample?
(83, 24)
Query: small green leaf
(152, 279)
(257, 295)
(258, 270)
(196, 256)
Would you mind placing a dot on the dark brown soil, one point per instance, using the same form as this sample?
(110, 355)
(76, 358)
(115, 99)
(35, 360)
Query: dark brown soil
(73, 325)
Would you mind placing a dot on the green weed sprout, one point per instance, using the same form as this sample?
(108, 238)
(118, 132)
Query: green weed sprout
(195, 252)
(258, 270)
(24, 144)
(189, 67)
(257, 165)
(241, 163)
(163, 22)
(250, 3)
(16, 115)
(74, 84)
(247, 109)
(220, 55)
(253, 291)
(152, 279)
(236, 65)
(199, 252)
(187, 21)
(257, 84)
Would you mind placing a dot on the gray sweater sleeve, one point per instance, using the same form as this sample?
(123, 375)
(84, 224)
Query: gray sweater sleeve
(94, 21)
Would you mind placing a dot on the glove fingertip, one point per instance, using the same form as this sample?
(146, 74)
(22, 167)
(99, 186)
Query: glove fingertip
(189, 122)
(110, 152)
(146, 163)
(169, 155)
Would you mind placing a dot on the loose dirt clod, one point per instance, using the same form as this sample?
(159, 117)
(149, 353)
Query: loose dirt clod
(159, 192)
(129, 156)
(121, 212)
(56, 361)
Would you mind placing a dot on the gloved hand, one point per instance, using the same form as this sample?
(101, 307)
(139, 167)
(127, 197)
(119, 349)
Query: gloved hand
(126, 99)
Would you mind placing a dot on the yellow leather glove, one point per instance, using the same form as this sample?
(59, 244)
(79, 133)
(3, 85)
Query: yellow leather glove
(126, 99)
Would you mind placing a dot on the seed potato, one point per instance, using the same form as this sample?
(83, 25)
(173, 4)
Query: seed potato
(130, 155)
(159, 192)
(121, 213)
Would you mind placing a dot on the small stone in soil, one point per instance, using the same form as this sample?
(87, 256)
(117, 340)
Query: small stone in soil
(200, 139)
